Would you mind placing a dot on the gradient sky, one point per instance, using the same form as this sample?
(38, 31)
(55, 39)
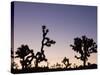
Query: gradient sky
(65, 22)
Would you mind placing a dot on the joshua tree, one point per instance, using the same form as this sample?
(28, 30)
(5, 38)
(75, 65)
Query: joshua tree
(40, 56)
(26, 56)
(65, 61)
(84, 46)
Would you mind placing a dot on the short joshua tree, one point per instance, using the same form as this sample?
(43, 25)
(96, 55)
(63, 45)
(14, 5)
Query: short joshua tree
(65, 61)
(26, 56)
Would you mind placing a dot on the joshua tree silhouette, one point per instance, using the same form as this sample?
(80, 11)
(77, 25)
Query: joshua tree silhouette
(65, 61)
(40, 56)
(84, 46)
(26, 56)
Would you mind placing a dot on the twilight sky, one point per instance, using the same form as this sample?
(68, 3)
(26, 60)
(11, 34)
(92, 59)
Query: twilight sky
(65, 22)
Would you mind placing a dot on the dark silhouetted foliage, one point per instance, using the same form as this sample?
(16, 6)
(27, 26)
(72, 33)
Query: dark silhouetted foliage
(84, 46)
(65, 61)
(40, 56)
(23, 53)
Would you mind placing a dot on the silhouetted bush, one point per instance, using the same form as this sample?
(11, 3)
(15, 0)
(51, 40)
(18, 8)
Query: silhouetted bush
(23, 53)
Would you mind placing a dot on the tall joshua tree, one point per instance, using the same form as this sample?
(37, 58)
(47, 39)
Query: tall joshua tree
(84, 46)
(40, 56)
(65, 61)
(26, 55)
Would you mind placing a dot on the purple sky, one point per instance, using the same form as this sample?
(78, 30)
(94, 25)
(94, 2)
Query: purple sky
(65, 22)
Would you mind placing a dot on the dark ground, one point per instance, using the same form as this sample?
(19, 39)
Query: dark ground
(46, 69)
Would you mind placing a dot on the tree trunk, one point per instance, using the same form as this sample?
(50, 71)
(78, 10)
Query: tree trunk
(36, 64)
(22, 63)
(84, 62)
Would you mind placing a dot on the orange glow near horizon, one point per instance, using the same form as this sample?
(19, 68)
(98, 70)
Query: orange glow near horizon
(53, 60)
(64, 22)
